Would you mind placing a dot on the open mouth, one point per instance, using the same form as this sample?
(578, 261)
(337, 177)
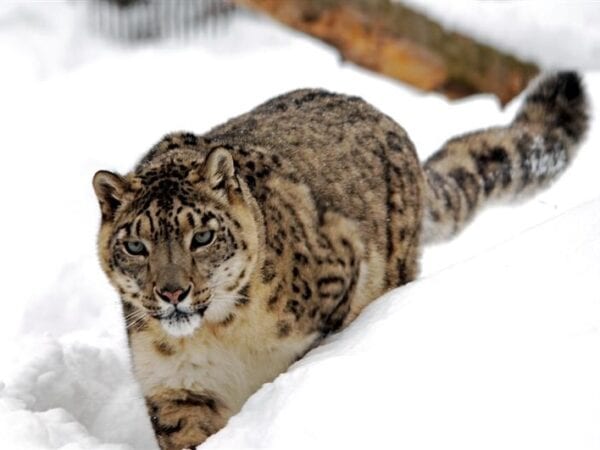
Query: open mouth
(179, 323)
(178, 315)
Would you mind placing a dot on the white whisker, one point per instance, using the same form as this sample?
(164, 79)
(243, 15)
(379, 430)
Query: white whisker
(135, 318)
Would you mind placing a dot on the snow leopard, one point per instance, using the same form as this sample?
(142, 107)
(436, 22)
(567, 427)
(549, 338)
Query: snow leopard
(237, 251)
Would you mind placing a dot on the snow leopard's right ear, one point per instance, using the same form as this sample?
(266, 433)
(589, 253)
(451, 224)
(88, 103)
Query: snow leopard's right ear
(110, 189)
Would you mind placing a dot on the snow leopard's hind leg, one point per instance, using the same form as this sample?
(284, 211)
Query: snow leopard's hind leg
(505, 163)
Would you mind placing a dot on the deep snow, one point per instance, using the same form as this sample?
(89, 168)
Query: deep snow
(495, 353)
(496, 346)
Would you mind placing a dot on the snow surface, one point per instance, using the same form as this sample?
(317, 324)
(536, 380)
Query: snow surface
(488, 354)
(496, 346)
(551, 33)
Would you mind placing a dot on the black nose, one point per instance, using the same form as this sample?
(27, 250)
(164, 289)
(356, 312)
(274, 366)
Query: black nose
(172, 294)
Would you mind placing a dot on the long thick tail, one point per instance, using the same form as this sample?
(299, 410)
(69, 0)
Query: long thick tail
(506, 163)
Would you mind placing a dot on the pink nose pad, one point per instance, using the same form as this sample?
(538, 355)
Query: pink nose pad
(173, 297)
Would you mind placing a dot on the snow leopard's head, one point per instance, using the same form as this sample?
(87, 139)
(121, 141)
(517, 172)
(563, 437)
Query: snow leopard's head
(178, 239)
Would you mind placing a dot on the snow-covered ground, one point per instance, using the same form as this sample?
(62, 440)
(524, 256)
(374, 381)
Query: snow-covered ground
(552, 33)
(496, 346)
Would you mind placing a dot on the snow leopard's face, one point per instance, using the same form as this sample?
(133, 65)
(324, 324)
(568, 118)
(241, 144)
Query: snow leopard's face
(178, 241)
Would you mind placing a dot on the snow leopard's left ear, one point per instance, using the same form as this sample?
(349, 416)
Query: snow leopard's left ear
(218, 172)
(110, 189)
(218, 168)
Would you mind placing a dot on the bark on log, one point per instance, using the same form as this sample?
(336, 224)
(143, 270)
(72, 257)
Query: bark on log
(392, 39)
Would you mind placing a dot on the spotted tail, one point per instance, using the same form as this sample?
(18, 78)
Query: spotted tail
(506, 163)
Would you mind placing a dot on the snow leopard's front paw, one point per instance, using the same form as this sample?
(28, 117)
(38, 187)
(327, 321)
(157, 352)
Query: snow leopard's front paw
(184, 419)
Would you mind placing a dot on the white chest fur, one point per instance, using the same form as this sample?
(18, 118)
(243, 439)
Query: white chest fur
(232, 365)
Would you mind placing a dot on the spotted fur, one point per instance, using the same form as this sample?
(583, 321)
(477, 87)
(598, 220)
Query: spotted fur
(505, 163)
(316, 204)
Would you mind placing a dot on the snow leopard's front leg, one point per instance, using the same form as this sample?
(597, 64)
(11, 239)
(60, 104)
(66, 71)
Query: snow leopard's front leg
(183, 419)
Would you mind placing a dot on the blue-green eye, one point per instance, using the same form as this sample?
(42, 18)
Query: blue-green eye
(202, 238)
(135, 248)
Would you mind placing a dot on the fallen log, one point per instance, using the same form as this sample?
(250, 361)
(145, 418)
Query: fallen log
(392, 39)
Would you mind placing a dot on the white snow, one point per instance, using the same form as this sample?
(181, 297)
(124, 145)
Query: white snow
(495, 353)
(551, 33)
(496, 346)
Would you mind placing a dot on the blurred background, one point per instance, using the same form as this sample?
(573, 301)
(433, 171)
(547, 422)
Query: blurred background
(93, 84)
(456, 48)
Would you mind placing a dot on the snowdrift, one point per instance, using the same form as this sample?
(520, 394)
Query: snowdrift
(498, 352)
(495, 346)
